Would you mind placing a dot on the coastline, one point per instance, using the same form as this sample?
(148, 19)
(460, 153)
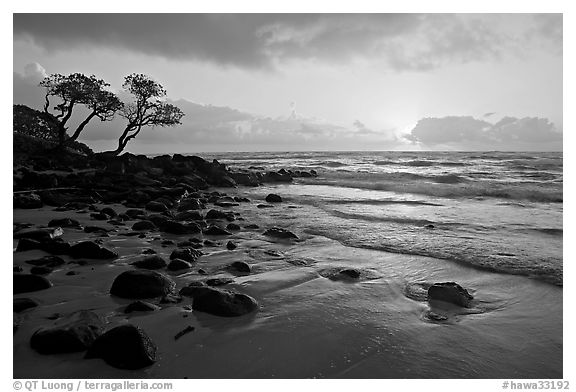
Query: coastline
(377, 326)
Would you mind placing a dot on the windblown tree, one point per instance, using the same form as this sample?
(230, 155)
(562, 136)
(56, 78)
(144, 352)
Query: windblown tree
(148, 109)
(76, 90)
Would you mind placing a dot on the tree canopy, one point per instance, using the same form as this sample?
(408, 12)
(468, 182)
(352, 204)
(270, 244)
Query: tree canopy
(148, 109)
(74, 90)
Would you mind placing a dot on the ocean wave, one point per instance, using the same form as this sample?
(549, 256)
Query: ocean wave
(549, 271)
(418, 163)
(383, 202)
(446, 186)
(332, 164)
(372, 218)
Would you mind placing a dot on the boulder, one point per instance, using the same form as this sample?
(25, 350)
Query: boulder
(39, 234)
(141, 306)
(143, 225)
(124, 347)
(188, 216)
(190, 204)
(109, 211)
(224, 303)
(91, 250)
(73, 333)
(41, 270)
(150, 262)
(450, 292)
(27, 201)
(346, 274)
(174, 227)
(46, 261)
(219, 281)
(64, 222)
(21, 304)
(188, 291)
(273, 198)
(231, 246)
(280, 233)
(215, 230)
(217, 214)
(139, 284)
(178, 264)
(187, 254)
(240, 266)
(25, 283)
(155, 206)
(232, 227)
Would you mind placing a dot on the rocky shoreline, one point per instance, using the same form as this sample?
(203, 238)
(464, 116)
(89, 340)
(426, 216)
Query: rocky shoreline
(72, 210)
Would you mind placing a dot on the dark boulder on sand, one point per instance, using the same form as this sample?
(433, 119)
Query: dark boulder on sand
(178, 264)
(346, 275)
(64, 222)
(143, 225)
(240, 266)
(224, 303)
(217, 214)
(124, 347)
(47, 261)
(215, 230)
(73, 333)
(280, 233)
(27, 201)
(39, 234)
(150, 262)
(21, 304)
(174, 227)
(25, 283)
(41, 270)
(141, 306)
(187, 254)
(155, 206)
(188, 216)
(450, 292)
(273, 198)
(91, 250)
(140, 284)
(231, 245)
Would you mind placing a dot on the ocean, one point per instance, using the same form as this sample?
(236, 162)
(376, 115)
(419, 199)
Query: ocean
(499, 211)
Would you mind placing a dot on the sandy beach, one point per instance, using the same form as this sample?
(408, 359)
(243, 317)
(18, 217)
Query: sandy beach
(308, 324)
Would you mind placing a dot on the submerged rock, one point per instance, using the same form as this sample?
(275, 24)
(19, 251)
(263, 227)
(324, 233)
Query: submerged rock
(73, 333)
(25, 283)
(143, 225)
(64, 222)
(141, 284)
(21, 304)
(150, 262)
(91, 250)
(273, 198)
(141, 306)
(222, 303)
(280, 233)
(187, 254)
(450, 292)
(215, 230)
(178, 264)
(124, 347)
(27, 201)
(345, 274)
(240, 266)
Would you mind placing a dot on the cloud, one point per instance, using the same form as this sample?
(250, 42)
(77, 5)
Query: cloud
(25, 86)
(398, 41)
(466, 132)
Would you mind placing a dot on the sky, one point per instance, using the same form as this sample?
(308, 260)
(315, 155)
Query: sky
(277, 82)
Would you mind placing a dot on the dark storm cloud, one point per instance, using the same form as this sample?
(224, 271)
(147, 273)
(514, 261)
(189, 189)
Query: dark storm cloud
(402, 41)
(467, 132)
